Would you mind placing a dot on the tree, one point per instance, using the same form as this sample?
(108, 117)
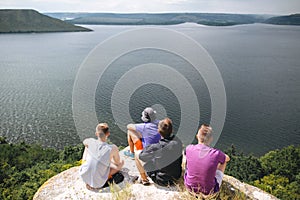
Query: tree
(284, 162)
(282, 173)
(24, 168)
(245, 168)
(279, 186)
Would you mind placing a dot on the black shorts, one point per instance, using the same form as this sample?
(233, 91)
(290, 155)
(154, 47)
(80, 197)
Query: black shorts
(116, 178)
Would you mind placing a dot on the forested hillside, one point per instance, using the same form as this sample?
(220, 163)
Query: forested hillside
(24, 21)
(285, 20)
(24, 168)
(277, 172)
(210, 19)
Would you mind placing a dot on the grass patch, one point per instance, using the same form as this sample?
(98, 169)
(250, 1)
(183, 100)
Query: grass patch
(118, 193)
(227, 192)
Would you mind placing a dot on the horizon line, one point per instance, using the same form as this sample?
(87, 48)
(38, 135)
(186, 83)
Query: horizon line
(146, 12)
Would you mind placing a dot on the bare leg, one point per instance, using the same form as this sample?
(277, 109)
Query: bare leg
(139, 165)
(132, 138)
(113, 171)
(130, 143)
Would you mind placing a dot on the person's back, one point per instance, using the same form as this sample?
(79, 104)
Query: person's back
(101, 161)
(141, 135)
(95, 170)
(149, 132)
(164, 159)
(166, 166)
(202, 163)
(205, 166)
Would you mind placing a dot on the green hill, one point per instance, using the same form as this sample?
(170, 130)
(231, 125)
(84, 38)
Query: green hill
(285, 20)
(210, 19)
(24, 21)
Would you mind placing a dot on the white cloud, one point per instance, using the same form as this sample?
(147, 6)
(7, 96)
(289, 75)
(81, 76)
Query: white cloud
(225, 6)
(172, 2)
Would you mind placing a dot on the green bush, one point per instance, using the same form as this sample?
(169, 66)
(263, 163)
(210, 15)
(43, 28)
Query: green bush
(246, 168)
(284, 162)
(282, 173)
(24, 168)
(277, 172)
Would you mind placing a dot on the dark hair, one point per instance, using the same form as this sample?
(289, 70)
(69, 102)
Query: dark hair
(165, 127)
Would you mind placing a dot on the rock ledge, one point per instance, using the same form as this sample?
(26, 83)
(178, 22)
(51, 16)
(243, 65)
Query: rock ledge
(68, 185)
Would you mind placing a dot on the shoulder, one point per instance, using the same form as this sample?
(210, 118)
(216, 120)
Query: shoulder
(139, 125)
(177, 144)
(175, 141)
(89, 141)
(190, 147)
(175, 138)
(153, 147)
(155, 122)
(114, 147)
(218, 152)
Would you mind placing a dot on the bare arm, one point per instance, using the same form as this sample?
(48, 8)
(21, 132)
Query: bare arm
(116, 162)
(227, 159)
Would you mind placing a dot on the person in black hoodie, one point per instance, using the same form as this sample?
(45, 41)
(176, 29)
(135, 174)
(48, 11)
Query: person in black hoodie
(162, 161)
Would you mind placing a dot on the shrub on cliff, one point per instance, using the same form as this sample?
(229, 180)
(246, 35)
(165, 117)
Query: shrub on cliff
(282, 173)
(277, 172)
(24, 168)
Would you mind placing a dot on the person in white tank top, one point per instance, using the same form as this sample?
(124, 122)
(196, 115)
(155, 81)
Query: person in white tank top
(100, 160)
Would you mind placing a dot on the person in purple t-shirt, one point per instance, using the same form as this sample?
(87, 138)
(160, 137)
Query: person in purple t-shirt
(141, 135)
(205, 165)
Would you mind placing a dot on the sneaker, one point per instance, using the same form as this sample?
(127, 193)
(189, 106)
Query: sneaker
(129, 154)
(133, 179)
(145, 182)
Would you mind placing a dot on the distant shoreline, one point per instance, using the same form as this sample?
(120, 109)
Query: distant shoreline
(36, 32)
(31, 21)
(207, 19)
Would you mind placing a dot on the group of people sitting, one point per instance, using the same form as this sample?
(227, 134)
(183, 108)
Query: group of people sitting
(158, 155)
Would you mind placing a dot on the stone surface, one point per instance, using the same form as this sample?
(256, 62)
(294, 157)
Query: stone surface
(68, 185)
(250, 191)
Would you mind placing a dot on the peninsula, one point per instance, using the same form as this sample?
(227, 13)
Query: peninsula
(31, 21)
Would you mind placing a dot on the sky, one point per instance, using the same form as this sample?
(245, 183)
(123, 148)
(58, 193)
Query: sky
(281, 7)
